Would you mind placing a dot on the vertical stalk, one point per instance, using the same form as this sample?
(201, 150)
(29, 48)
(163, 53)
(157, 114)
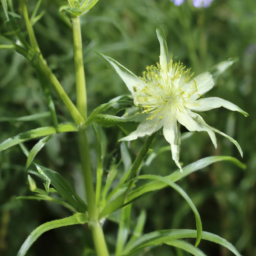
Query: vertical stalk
(97, 232)
(79, 67)
(41, 64)
(30, 30)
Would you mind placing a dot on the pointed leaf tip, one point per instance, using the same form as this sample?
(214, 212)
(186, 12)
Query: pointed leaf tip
(163, 58)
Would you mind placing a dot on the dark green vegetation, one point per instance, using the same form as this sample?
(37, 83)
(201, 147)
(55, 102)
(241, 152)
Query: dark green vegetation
(224, 194)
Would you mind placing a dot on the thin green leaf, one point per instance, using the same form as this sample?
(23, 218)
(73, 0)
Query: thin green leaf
(78, 218)
(115, 103)
(139, 228)
(50, 199)
(110, 120)
(177, 175)
(113, 205)
(132, 172)
(35, 150)
(185, 196)
(165, 236)
(163, 49)
(126, 158)
(37, 133)
(186, 247)
(25, 118)
(32, 183)
(124, 229)
(35, 11)
(24, 149)
(63, 188)
(101, 150)
(45, 177)
(15, 15)
(5, 8)
(111, 175)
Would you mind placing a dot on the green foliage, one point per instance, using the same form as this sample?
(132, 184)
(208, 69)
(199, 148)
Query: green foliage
(78, 218)
(222, 194)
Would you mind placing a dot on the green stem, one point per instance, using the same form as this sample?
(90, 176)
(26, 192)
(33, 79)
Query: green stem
(97, 232)
(79, 67)
(40, 63)
(30, 30)
(79, 120)
(7, 46)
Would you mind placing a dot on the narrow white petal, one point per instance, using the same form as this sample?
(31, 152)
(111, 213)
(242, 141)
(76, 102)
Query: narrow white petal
(147, 127)
(221, 67)
(171, 131)
(213, 102)
(172, 135)
(132, 82)
(204, 83)
(199, 86)
(176, 155)
(194, 122)
(231, 139)
(163, 49)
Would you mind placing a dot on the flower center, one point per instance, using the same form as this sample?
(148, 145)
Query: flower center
(163, 88)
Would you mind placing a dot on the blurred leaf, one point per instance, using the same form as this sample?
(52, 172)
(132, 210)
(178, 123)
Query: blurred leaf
(186, 247)
(5, 8)
(137, 232)
(35, 150)
(116, 104)
(126, 158)
(166, 236)
(185, 196)
(101, 151)
(40, 197)
(36, 133)
(111, 176)
(25, 118)
(32, 184)
(110, 120)
(177, 175)
(124, 229)
(63, 188)
(34, 17)
(78, 218)
(114, 205)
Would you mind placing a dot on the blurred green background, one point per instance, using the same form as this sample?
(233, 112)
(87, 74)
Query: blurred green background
(125, 30)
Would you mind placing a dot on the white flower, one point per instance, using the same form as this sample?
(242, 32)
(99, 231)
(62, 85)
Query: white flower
(169, 96)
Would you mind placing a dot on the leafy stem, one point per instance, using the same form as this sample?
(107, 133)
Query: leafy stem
(41, 64)
(97, 232)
